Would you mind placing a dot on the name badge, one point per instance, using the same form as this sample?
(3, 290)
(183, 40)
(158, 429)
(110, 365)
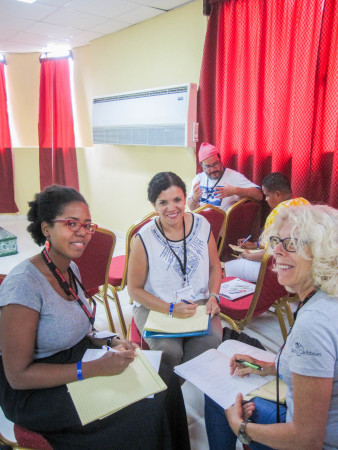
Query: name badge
(185, 293)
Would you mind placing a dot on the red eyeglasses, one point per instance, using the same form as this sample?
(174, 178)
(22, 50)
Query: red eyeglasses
(75, 225)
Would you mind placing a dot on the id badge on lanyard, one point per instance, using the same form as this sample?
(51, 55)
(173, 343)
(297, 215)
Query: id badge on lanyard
(186, 293)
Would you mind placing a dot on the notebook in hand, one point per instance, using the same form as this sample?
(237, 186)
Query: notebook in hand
(161, 325)
(98, 397)
(215, 365)
(236, 288)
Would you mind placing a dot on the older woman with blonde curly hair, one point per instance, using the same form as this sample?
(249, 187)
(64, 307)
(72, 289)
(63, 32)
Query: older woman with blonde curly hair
(304, 242)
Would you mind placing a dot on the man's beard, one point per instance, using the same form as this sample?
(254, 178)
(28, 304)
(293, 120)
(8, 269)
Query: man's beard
(216, 174)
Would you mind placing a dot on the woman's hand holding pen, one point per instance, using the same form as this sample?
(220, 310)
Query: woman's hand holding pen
(244, 365)
(111, 363)
(248, 244)
(184, 309)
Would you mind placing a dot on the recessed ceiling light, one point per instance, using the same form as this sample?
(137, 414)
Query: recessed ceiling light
(27, 1)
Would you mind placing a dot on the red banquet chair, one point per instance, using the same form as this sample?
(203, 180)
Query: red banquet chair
(217, 218)
(119, 264)
(238, 313)
(242, 219)
(94, 266)
(135, 336)
(27, 439)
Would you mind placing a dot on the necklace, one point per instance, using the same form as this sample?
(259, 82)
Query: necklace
(67, 288)
(183, 266)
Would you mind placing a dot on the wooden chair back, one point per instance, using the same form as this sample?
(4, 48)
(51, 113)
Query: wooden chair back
(216, 217)
(242, 219)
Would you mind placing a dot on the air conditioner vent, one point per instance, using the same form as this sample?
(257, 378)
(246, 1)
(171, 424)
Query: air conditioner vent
(160, 117)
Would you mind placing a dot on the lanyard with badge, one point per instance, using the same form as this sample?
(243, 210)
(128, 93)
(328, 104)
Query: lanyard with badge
(186, 293)
(213, 188)
(66, 287)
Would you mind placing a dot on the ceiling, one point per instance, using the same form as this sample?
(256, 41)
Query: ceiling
(28, 27)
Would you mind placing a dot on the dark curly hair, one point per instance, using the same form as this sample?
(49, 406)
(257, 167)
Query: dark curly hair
(47, 205)
(161, 182)
(277, 181)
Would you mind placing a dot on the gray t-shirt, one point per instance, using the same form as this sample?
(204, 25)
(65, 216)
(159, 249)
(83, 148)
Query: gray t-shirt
(311, 350)
(62, 323)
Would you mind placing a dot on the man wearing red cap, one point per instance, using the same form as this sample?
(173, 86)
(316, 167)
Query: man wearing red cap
(217, 185)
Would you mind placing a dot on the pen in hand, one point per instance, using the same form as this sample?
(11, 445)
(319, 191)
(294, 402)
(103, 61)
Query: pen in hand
(246, 239)
(188, 302)
(248, 364)
(109, 349)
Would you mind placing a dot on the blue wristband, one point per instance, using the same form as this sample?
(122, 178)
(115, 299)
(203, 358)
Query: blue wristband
(79, 370)
(171, 309)
(257, 243)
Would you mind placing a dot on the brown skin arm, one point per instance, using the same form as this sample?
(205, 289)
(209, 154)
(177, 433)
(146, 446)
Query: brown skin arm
(312, 398)
(18, 328)
(227, 191)
(257, 256)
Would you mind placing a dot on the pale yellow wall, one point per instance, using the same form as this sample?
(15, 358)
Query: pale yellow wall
(162, 51)
(165, 50)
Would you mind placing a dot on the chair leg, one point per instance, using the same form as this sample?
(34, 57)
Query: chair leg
(289, 314)
(108, 313)
(230, 321)
(119, 310)
(280, 317)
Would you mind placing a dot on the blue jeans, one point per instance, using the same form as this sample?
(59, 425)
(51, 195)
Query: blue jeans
(221, 436)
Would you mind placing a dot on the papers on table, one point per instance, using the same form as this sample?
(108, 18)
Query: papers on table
(97, 397)
(161, 325)
(210, 372)
(236, 288)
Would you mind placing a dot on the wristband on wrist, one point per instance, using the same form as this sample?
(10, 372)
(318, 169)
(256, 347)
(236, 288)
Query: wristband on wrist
(171, 309)
(257, 243)
(79, 370)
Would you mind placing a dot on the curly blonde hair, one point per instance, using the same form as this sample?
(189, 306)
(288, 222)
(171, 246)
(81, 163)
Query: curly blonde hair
(315, 226)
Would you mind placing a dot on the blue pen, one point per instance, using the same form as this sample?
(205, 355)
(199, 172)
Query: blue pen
(246, 239)
(109, 349)
(188, 302)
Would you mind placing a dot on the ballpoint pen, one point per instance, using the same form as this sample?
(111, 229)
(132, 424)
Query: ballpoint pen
(109, 349)
(249, 364)
(188, 302)
(246, 239)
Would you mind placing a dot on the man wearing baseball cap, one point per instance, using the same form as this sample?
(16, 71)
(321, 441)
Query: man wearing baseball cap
(217, 185)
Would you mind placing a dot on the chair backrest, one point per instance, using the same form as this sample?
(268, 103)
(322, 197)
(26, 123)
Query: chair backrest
(95, 260)
(29, 439)
(132, 231)
(216, 217)
(267, 291)
(2, 277)
(242, 219)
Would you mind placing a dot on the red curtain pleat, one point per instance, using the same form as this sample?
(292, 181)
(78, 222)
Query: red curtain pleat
(7, 202)
(56, 129)
(260, 91)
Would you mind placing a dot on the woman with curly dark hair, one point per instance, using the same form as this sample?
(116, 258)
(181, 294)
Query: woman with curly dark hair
(44, 332)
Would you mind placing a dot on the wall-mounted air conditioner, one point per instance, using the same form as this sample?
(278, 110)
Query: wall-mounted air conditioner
(163, 116)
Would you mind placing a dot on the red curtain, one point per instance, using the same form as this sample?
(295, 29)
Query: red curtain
(56, 129)
(268, 91)
(7, 202)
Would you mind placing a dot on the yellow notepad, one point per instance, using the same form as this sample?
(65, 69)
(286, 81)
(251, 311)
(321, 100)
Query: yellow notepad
(160, 322)
(95, 398)
(268, 391)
